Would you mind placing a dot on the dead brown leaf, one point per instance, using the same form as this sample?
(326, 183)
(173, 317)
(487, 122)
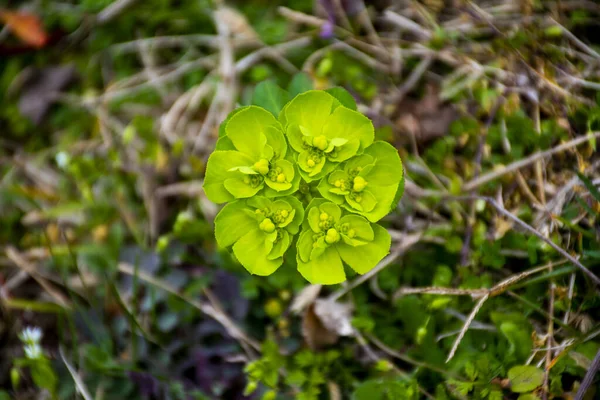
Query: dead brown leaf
(314, 332)
(425, 119)
(27, 27)
(324, 322)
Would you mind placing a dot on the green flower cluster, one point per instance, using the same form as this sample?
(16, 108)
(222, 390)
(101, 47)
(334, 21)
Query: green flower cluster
(313, 178)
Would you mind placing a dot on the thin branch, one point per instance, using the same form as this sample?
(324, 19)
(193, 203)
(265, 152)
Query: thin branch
(492, 175)
(466, 326)
(533, 231)
(230, 326)
(79, 384)
(395, 253)
(589, 377)
(407, 24)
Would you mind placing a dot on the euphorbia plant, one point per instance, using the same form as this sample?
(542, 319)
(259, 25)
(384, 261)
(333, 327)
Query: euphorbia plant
(316, 167)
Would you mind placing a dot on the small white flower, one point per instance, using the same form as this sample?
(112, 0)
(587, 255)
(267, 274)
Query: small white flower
(33, 351)
(31, 335)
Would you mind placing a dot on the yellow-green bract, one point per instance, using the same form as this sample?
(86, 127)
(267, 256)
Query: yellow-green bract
(315, 167)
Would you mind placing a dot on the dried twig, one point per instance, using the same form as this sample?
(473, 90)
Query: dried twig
(20, 261)
(208, 309)
(533, 231)
(466, 326)
(394, 254)
(589, 377)
(492, 175)
(79, 384)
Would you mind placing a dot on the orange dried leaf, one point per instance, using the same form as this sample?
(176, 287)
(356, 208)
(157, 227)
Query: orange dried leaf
(27, 27)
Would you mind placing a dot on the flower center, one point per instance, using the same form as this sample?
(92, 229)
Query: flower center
(320, 142)
(253, 180)
(262, 166)
(267, 225)
(359, 184)
(332, 236)
(314, 157)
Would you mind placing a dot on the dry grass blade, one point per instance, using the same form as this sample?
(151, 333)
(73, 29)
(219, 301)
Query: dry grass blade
(533, 231)
(589, 377)
(490, 176)
(207, 309)
(79, 384)
(466, 326)
(394, 254)
(30, 269)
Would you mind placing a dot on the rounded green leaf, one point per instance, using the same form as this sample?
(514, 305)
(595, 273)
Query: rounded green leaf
(311, 110)
(276, 139)
(343, 96)
(294, 226)
(241, 188)
(281, 180)
(360, 227)
(345, 151)
(294, 185)
(246, 129)
(327, 269)
(218, 169)
(365, 201)
(252, 252)
(233, 222)
(305, 245)
(331, 210)
(313, 219)
(270, 97)
(525, 378)
(388, 166)
(280, 246)
(364, 258)
(309, 165)
(348, 124)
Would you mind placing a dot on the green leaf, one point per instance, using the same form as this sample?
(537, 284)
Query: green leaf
(590, 186)
(364, 258)
(252, 252)
(343, 97)
(525, 378)
(295, 183)
(310, 170)
(310, 110)
(348, 124)
(270, 97)
(386, 389)
(276, 140)
(527, 396)
(325, 270)
(359, 226)
(388, 166)
(246, 129)
(305, 245)
(280, 247)
(233, 222)
(294, 226)
(331, 210)
(300, 83)
(345, 151)
(240, 188)
(222, 132)
(382, 171)
(287, 171)
(218, 170)
(519, 338)
(44, 376)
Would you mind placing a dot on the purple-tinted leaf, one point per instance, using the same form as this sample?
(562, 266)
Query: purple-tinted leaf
(228, 289)
(148, 385)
